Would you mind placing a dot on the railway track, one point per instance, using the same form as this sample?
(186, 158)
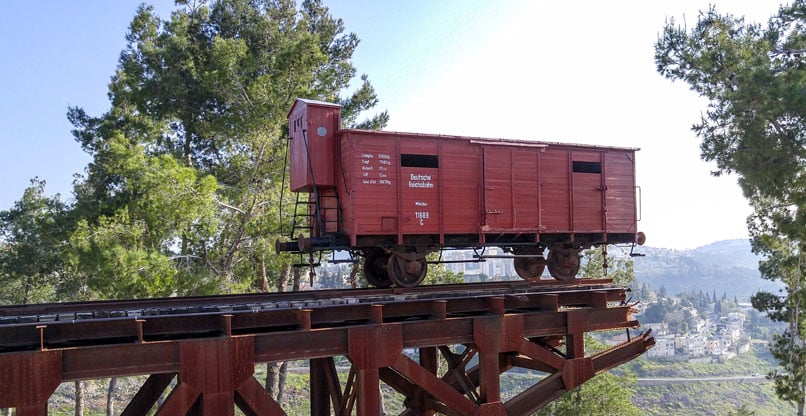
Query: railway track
(138, 308)
(58, 325)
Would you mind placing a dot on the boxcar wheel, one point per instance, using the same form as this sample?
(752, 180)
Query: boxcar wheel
(375, 269)
(529, 268)
(563, 263)
(405, 272)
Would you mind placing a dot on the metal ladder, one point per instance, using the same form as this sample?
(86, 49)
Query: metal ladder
(307, 209)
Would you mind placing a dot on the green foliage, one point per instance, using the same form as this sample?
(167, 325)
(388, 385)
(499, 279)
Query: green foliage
(32, 234)
(184, 191)
(604, 394)
(707, 397)
(439, 274)
(755, 78)
(599, 265)
(710, 398)
(790, 379)
(140, 249)
(658, 311)
(757, 361)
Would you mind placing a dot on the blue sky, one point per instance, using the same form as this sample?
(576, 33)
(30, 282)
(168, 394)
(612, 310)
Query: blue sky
(578, 72)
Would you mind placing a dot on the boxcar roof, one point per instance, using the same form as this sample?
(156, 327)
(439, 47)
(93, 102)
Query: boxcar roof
(314, 102)
(487, 140)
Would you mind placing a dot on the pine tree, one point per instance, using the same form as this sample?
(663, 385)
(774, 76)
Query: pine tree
(203, 97)
(32, 235)
(754, 77)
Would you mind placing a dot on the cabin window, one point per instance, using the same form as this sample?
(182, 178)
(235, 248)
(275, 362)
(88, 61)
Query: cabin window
(419, 161)
(587, 167)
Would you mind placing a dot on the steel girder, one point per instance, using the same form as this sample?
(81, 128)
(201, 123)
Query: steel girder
(215, 374)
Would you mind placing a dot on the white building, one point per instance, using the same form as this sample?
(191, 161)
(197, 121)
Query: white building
(713, 346)
(737, 317)
(664, 347)
(695, 344)
(717, 346)
(698, 325)
(474, 270)
(733, 332)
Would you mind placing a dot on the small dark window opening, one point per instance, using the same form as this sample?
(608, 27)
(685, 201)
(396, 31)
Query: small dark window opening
(587, 167)
(419, 161)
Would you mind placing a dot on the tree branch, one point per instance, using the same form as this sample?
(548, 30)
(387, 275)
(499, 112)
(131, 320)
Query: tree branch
(236, 209)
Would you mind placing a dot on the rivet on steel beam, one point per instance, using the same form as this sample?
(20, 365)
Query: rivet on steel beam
(496, 305)
(139, 323)
(304, 318)
(376, 314)
(227, 321)
(439, 309)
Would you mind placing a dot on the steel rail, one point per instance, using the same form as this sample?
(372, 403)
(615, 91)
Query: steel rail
(135, 308)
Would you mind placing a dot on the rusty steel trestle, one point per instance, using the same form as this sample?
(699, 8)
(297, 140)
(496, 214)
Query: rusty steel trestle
(212, 356)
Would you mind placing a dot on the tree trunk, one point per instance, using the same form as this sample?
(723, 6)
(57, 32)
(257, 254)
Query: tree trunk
(354, 275)
(273, 370)
(281, 368)
(272, 379)
(275, 379)
(311, 272)
(79, 398)
(263, 280)
(110, 396)
(297, 277)
(281, 381)
(284, 275)
(187, 147)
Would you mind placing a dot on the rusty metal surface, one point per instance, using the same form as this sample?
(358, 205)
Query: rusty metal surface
(212, 355)
(104, 309)
(188, 323)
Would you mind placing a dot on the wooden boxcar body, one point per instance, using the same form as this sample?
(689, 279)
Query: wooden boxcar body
(394, 197)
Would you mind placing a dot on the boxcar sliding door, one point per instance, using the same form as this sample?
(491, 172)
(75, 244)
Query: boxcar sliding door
(588, 192)
(620, 198)
(511, 202)
(497, 208)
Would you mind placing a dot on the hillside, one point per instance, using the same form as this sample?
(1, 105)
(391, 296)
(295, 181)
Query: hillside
(725, 266)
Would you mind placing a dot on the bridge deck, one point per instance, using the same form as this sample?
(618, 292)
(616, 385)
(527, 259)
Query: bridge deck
(211, 345)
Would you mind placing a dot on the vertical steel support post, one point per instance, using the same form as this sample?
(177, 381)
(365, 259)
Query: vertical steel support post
(578, 369)
(371, 348)
(494, 334)
(28, 380)
(323, 381)
(214, 375)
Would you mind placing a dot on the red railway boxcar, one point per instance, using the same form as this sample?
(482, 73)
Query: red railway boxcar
(392, 198)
